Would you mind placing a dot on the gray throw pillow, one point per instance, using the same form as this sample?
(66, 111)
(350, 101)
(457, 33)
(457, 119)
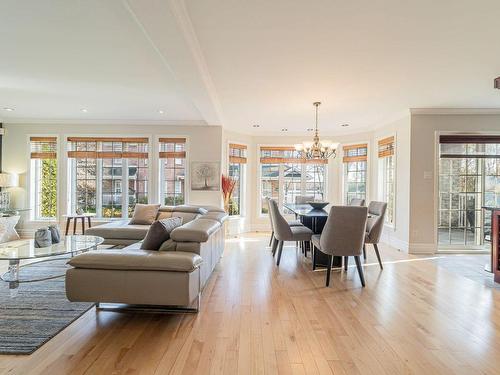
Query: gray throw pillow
(159, 232)
(144, 214)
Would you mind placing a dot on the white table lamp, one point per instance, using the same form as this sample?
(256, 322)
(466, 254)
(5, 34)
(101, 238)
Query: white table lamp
(7, 180)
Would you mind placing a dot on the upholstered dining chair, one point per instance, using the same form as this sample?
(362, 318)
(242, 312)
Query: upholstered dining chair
(374, 226)
(343, 235)
(292, 223)
(303, 199)
(356, 202)
(283, 231)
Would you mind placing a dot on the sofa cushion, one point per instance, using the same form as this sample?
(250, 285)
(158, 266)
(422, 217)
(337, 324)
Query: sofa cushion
(195, 231)
(159, 232)
(119, 229)
(186, 216)
(145, 214)
(140, 260)
(192, 209)
(168, 245)
(163, 215)
(215, 215)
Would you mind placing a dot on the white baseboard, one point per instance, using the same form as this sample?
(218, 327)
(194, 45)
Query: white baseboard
(260, 228)
(422, 248)
(395, 242)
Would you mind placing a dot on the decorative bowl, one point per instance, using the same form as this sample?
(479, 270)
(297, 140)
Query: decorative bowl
(318, 205)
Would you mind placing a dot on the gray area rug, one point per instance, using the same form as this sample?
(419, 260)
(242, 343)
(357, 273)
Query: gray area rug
(38, 311)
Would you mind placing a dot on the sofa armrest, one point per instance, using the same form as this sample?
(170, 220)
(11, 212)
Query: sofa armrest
(195, 231)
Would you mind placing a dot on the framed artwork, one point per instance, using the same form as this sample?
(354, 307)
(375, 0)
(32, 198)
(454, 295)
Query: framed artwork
(205, 175)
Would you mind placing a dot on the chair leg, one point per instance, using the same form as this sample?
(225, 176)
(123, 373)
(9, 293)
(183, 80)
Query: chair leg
(274, 246)
(280, 250)
(346, 263)
(305, 248)
(364, 251)
(329, 269)
(271, 239)
(378, 256)
(313, 256)
(360, 270)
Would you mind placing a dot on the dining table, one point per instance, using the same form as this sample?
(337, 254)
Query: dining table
(314, 219)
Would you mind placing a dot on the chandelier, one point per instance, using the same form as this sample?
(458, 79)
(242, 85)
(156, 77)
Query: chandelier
(317, 150)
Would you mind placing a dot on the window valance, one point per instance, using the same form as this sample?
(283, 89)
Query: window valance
(43, 147)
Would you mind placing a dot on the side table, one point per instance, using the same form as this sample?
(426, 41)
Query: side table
(75, 219)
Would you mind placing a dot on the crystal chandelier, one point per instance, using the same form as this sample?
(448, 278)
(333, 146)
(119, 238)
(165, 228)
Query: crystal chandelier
(316, 150)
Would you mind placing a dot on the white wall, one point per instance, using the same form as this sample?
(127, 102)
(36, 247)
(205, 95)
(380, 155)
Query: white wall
(211, 144)
(204, 143)
(425, 129)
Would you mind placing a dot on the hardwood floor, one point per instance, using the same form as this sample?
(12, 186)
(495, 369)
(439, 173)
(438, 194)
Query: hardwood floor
(414, 317)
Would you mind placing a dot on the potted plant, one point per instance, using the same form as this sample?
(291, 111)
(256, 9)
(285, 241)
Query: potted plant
(228, 184)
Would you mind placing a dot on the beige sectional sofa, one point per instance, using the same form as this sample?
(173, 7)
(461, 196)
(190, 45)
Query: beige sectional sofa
(172, 276)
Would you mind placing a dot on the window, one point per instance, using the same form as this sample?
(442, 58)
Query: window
(355, 169)
(108, 175)
(284, 176)
(237, 163)
(172, 171)
(469, 178)
(43, 179)
(387, 174)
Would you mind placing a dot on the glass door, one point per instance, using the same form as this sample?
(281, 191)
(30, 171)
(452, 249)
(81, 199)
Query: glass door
(468, 180)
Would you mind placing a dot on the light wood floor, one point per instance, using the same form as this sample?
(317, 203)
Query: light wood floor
(413, 317)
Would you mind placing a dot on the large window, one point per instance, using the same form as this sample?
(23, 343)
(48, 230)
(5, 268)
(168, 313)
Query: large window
(108, 176)
(387, 176)
(172, 171)
(236, 170)
(43, 177)
(469, 178)
(355, 170)
(284, 176)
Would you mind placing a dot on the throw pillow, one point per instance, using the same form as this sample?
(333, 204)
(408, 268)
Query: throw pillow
(144, 214)
(159, 232)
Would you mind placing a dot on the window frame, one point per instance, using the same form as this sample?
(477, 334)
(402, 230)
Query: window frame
(242, 180)
(367, 171)
(159, 165)
(472, 137)
(32, 190)
(71, 178)
(259, 206)
(382, 183)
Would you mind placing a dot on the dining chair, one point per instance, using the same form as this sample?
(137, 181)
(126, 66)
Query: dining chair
(283, 231)
(374, 226)
(303, 199)
(343, 235)
(272, 241)
(356, 202)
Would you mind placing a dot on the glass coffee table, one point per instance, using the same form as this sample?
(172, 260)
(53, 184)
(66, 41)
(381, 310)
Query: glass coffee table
(16, 251)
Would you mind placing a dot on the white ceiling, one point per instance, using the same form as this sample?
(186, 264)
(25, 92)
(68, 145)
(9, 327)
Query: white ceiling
(237, 63)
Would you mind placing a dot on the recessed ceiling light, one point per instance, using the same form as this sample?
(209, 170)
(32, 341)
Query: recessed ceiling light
(161, 112)
(345, 125)
(84, 110)
(310, 129)
(256, 126)
(8, 109)
(284, 130)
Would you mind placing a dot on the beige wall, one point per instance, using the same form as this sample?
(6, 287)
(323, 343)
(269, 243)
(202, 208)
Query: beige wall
(204, 144)
(425, 129)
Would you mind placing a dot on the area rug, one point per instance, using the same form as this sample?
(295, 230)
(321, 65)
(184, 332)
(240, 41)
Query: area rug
(36, 311)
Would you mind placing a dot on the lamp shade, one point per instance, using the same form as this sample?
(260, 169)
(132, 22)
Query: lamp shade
(9, 180)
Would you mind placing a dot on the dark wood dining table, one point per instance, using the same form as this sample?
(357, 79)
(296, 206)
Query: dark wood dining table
(315, 220)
